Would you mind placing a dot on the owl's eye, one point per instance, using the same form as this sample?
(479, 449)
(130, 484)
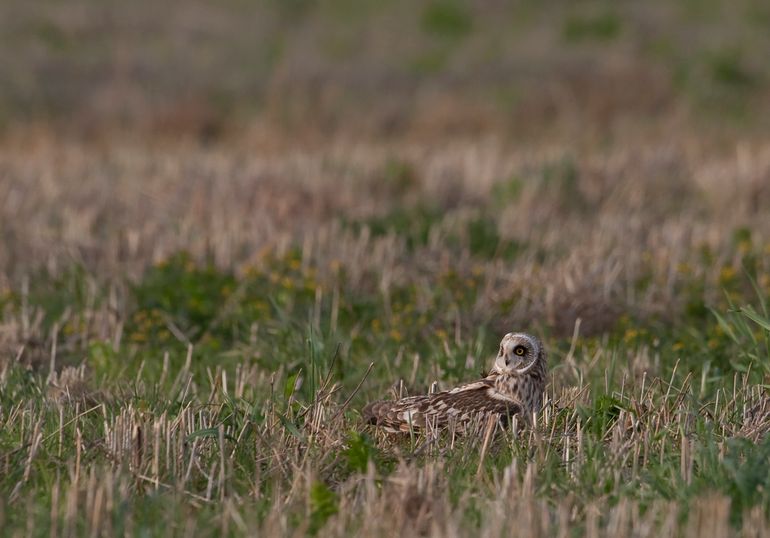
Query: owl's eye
(520, 351)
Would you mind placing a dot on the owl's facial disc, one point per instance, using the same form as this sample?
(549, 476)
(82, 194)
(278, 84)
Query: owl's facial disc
(518, 354)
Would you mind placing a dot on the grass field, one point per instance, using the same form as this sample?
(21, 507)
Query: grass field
(212, 258)
(190, 351)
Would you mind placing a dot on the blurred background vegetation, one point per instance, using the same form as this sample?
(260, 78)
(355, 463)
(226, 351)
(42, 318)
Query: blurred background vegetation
(226, 226)
(307, 69)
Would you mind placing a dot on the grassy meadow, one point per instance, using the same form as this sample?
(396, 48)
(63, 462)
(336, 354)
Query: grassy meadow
(211, 258)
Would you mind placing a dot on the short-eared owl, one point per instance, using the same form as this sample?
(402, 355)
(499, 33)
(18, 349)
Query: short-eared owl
(514, 386)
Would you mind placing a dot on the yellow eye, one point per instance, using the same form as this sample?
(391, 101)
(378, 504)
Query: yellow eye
(519, 350)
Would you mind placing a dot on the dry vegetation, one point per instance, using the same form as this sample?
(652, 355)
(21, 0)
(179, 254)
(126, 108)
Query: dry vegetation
(196, 298)
(217, 389)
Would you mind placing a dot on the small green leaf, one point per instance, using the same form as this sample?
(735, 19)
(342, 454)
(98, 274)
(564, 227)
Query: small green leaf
(359, 452)
(291, 385)
(290, 427)
(726, 327)
(323, 504)
(756, 318)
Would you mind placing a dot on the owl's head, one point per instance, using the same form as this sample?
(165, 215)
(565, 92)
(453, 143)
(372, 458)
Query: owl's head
(519, 353)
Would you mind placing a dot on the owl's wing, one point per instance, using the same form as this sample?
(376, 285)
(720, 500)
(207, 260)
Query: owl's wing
(460, 405)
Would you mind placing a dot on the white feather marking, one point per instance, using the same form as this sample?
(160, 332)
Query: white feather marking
(527, 368)
(494, 394)
(470, 386)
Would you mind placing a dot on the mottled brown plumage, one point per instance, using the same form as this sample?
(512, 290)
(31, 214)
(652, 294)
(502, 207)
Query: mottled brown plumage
(514, 386)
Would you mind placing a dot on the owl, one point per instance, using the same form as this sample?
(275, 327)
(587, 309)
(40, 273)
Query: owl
(514, 386)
